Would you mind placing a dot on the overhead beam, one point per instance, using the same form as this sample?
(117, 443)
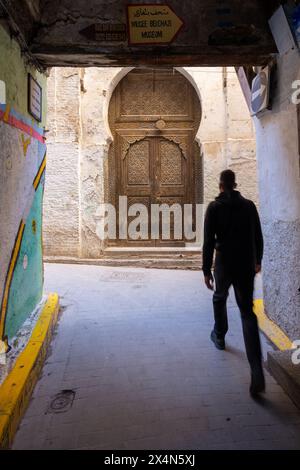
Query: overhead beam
(95, 56)
(33, 7)
(23, 16)
(54, 33)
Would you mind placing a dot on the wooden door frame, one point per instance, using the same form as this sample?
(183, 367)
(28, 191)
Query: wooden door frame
(181, 134)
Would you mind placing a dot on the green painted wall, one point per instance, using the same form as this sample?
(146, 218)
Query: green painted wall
(20, 199)
(27, 284)
(13, 71)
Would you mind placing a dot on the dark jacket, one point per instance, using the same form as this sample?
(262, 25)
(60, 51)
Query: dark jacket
(232, 227)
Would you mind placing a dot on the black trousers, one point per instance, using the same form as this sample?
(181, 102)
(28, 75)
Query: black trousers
(242, 281)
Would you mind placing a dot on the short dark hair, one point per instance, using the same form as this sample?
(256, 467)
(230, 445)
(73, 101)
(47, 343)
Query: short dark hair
(227, 179)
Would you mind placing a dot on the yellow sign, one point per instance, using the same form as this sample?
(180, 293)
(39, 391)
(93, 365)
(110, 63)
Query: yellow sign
(152, 24)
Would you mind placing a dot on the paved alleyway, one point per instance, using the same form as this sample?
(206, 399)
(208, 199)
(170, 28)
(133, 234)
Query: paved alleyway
(134, 346)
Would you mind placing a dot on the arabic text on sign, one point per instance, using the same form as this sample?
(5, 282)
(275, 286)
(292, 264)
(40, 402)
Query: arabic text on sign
(147, 12)
(152, 24)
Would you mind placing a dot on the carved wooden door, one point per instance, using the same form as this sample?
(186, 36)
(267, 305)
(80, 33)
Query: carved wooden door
(171, 172)
(136, 181)
(154, 116)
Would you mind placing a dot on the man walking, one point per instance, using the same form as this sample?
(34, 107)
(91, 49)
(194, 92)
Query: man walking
(232, 229)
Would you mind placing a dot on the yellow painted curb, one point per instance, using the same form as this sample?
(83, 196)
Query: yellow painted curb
(16, 390)
(271, 330)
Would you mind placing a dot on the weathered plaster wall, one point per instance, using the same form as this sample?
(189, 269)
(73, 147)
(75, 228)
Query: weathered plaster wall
(279, 182)
(61, 208)
(226, 130)
(22, 159)
(95, 143)
(76, 175)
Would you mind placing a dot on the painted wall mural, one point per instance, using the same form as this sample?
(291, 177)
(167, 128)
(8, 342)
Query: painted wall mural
(22, 173)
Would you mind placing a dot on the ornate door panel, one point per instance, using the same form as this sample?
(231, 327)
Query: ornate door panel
(171, 184)
(136, 176)
(154, 116)
(137, 168)
(147, 95)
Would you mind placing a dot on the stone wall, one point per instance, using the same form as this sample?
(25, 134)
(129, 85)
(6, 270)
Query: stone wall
(61, 206)
(79, 140)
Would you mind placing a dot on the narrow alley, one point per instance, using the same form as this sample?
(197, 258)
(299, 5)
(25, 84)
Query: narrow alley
(149, 179)
(133, 354)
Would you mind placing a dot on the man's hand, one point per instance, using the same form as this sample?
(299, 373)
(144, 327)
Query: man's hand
(209, 281)
(257, 268)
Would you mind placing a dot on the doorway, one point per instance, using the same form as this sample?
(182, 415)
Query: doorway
(154, 115)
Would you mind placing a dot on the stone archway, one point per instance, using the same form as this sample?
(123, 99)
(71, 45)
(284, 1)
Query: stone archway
(154, 116)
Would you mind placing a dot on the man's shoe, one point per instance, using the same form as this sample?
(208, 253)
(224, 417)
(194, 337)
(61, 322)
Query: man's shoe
(219, 342)
(258, 385)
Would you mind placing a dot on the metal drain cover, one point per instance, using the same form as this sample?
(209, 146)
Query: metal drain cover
(62, 402)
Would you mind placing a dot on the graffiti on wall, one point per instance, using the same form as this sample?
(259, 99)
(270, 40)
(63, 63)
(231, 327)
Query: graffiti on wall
(22, 172)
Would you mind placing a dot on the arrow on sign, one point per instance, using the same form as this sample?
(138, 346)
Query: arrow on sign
(259, 92)
(152, 24)
(259, 99)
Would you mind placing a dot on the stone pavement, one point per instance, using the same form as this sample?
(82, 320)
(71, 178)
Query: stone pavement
(132, 351)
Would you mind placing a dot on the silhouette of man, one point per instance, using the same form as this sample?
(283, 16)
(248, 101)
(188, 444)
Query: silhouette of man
(232, 229)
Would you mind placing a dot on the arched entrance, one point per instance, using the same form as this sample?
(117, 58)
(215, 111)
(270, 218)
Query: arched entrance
(154, 115)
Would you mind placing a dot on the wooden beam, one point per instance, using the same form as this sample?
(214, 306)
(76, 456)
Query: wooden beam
(22, 16)
(89, 55)
(33, 7)
(17, 18)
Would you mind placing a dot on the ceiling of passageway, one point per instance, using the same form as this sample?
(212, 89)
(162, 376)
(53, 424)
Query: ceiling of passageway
(215, 32)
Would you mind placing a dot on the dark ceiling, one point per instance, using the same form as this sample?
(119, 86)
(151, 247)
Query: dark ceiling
(215, 32)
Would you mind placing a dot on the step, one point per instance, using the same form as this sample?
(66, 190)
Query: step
(132, 261)
(286, 373)
(152, 252)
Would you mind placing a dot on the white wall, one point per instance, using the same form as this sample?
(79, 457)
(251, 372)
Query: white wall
(279, 187)
(226, 132)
